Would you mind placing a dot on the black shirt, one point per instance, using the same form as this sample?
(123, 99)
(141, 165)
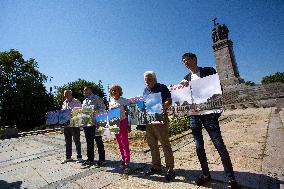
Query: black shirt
(165, 93)
(204, 71)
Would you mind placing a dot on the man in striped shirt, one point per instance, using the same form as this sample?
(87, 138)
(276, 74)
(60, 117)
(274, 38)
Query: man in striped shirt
(71, 103)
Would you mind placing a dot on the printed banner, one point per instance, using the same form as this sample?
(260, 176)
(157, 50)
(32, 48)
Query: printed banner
(82, 117)
(202, 96)
(135, 107)
(207, 95)
(52, 118)
(146, 110)
(108, 122)
(64, 116)
(181, 95)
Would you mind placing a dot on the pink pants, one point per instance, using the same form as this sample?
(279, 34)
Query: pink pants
(122, 140)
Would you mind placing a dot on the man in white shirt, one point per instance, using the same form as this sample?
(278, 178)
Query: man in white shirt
(210, 123)
(71, 103)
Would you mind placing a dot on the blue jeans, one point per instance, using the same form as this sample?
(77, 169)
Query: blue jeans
(211, 124)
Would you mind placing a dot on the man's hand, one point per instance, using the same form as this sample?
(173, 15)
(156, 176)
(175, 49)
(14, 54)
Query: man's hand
(166, 105)
(184, 82)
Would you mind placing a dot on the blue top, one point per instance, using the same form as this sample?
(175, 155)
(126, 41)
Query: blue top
(96, 101)
(165, 93)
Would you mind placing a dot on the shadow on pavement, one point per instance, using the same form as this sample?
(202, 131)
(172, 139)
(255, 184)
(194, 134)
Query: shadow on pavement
(12, 185)
(245, 179)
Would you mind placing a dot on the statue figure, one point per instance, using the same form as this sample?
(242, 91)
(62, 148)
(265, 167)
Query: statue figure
(219, 32)
(225, 31)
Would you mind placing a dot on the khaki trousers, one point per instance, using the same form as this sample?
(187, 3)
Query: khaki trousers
(155, 133)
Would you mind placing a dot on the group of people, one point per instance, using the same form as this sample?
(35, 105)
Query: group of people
(154, 132)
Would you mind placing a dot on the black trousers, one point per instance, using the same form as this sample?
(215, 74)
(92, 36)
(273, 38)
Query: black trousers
(90, 136)
(68, 133)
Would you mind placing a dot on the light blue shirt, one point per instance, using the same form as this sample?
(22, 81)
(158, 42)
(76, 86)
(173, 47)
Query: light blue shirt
(96, 101)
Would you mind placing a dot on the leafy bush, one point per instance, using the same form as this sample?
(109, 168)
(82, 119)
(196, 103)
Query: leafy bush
(178, 125)
(277, 77)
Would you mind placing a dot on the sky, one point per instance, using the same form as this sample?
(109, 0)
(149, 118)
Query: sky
(116, 41)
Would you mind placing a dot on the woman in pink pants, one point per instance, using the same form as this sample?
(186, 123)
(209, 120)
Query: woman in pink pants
(117, 101)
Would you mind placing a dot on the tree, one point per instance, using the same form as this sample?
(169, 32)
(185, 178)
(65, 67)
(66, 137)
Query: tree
(277, 77)
(249, 83)
(23, 97)
(77, 91)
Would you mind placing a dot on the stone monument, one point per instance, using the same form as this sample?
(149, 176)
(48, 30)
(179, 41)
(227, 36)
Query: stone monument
(224, 56)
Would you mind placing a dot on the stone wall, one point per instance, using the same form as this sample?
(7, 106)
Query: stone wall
(242, 96)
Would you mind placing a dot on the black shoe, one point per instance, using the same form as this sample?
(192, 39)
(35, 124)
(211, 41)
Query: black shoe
(152, 171)
(126, 170)
(170, 175)
(234, 184)
(87, 163)
(202, 180)
(101, 163)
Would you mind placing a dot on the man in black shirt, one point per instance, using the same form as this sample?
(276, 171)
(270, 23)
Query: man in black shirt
(159, 132)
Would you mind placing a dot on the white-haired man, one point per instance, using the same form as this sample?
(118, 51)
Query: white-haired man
(71, 103)
(159, 132)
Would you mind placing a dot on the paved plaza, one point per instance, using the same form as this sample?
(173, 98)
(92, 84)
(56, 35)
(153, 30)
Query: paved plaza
(254, 138)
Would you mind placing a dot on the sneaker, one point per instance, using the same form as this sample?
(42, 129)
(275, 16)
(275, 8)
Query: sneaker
(87, 163)
(152, 171)
(79, 160)
(170, 175)
(101, 163)
(66, 160)
(234, 184)
(202, 180)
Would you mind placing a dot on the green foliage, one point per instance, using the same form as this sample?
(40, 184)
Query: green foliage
(277, 77)
(23, 97)
(77, 91)
(178, 125)
(249, 83)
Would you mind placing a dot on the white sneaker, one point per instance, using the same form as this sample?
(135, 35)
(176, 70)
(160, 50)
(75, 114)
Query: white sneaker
(67, 160)
(79, 160)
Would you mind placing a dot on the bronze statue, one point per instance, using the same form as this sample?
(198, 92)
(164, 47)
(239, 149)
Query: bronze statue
(219, 32)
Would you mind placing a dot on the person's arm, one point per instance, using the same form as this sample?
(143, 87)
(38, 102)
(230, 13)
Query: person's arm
(167, 104)
(185, 81)
(126, 110)
(167, 96)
